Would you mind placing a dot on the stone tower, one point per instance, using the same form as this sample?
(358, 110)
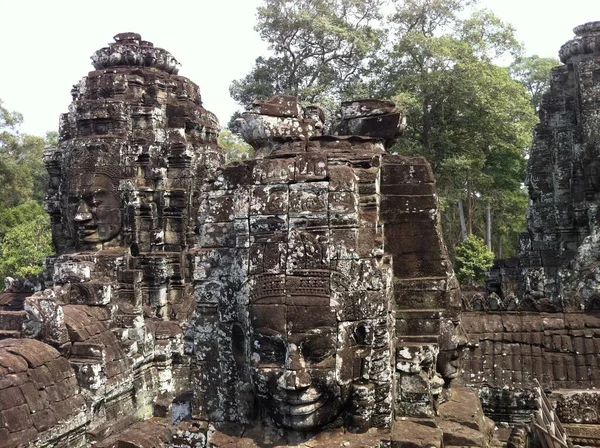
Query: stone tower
(133, 152)
(541, 322)
(326, 302)
(564, 176)
(138, 127)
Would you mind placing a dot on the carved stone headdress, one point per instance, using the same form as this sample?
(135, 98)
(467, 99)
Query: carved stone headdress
(94, 161)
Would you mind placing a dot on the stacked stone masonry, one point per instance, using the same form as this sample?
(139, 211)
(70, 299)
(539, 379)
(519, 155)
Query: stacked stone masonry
(302, 298)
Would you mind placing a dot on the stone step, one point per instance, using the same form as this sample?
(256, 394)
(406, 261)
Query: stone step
(414, 340)
(421, 293)
(419, 312)
(6, 334)
(418, 280)
(11, 320)
(416, 432)
(412, 343)
(463, 421)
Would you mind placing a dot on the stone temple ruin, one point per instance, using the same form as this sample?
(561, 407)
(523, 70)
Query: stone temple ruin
(301, 298)
(541, 316)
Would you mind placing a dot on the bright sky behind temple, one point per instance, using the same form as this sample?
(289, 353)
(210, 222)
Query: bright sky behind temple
(46, 45)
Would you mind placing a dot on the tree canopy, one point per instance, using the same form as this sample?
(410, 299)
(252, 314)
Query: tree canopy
(439, 60)
(25, 239)
(321, 49)
(233, 146)
(472, 260)
(534, 73)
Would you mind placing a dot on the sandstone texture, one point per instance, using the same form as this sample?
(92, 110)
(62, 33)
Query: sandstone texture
(302, 298)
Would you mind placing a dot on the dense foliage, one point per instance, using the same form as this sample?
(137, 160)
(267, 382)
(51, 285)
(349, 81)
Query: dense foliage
(233, 147)
(25, 238)
(24, 247)
(439, 61)
(472, 259)
(321, 49)
(533, 72)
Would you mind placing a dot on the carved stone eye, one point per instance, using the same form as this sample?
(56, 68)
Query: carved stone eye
(317, 350)
(271, 350)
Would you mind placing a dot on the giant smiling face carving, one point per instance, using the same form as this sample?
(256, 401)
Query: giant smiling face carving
(93, 210)
(293, 365)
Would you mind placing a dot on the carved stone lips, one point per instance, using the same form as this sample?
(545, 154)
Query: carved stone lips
(87, 232)
(302, 407)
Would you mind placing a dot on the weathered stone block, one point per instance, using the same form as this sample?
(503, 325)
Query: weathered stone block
(386, 126)
(417, 322)
(16, 418)
(311, 167)
(413, 388)
(217, 234)
(270, 200)
(278, 106)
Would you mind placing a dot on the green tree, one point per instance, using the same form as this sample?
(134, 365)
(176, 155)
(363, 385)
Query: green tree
(25, 237)
(465, 113)
(22, 171)
(320, 49)
(472, 259)
(534, 73)
(20, 214)
(510, 210)
(9, 122)
(24, 248)
(233, 146)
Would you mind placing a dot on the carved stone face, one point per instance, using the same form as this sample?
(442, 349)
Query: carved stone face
(452, 343)
(293, 364)
(93, 210)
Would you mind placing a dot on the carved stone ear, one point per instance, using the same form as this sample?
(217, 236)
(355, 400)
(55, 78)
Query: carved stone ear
(362, 403)
(238, 343)
(361, 334)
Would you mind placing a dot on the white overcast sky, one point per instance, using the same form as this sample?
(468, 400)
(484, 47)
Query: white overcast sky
(47, 44)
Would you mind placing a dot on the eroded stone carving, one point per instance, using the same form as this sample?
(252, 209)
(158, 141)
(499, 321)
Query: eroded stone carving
(312, 287)
(304, 297)
(93, 206)
(133, 151)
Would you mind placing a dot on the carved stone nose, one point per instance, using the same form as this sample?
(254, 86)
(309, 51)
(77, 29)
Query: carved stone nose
(294, 359)
(294, 375)
(294, 380)
(83, 212)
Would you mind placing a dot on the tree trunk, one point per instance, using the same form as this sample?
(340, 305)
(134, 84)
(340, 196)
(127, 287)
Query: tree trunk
(469, 210)
(488, 230)
(499, 246)
(461, 214)
(426, 129)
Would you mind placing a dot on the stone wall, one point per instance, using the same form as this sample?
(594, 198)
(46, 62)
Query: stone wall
(506, 351)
